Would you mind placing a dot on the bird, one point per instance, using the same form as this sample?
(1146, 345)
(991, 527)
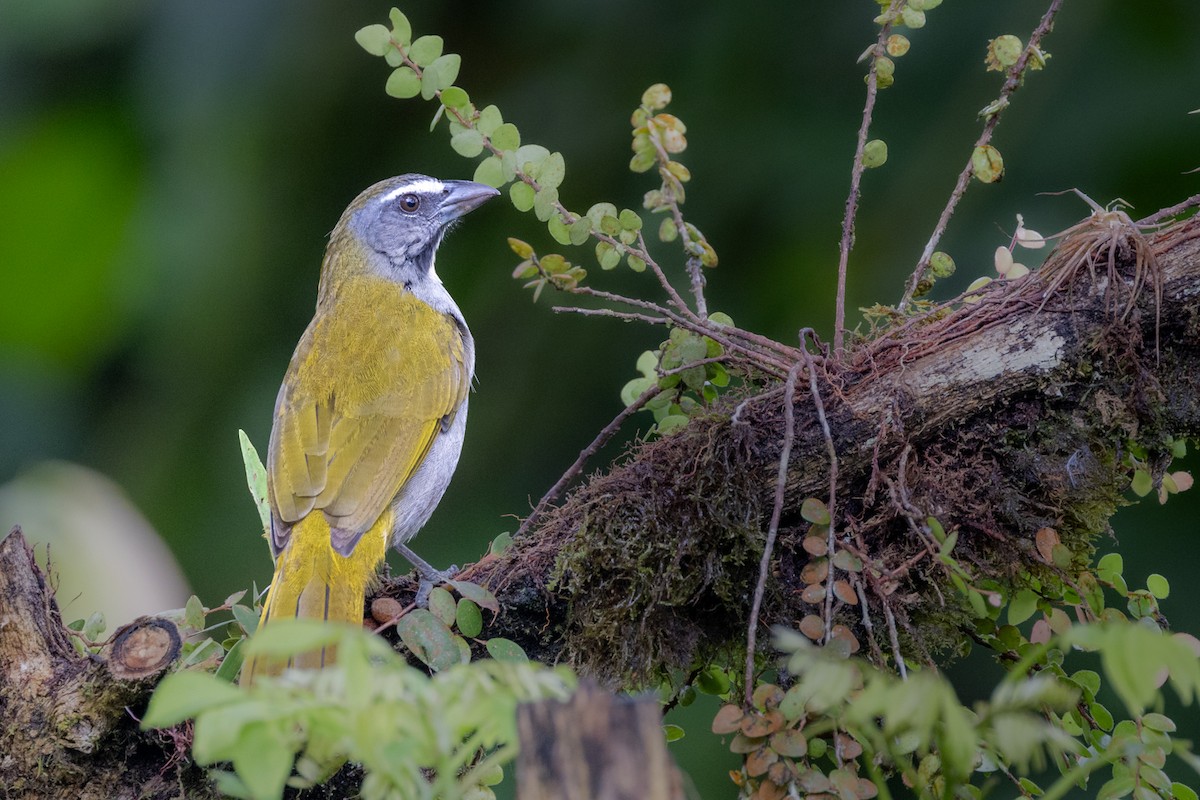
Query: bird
(370, 417)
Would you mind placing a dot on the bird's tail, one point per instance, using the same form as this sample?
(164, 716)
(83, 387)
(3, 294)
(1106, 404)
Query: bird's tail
(314, 581)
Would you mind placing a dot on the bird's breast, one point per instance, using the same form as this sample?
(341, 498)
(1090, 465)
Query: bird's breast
(373, 340)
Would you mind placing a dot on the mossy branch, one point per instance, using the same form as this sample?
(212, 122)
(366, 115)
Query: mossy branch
(995, 421)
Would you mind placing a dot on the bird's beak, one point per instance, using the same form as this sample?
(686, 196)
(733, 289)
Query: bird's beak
(462, 197)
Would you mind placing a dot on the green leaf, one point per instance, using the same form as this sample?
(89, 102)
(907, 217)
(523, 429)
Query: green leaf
(428, 638)
(246, 617)
(231, 663)
(401, 27)
(467, 143)
(607, 255)
(530, 154)
(673, 733)
(545, 203)
(446, 67)
(553, 170)
(581, 231)
(521, 194)
(987, 164)
(183, 695)
(1116, 788)
(95, 625)
(638, 265)
(657, 96)
(491, 172)
(442, 605)
(633, 389)
(630, 220)
(1181, 791)
(912, 17)
(229, 784)
(500, 544)
(554, 264)
(285, 638)
(375, 39)
(263, 759)
(489, 120)
(1158, 586)
(430, 80)
(1142, 483)
(503, 649)
(1022, 606)
(193, 613)
(506, 137)
(455, 97)
(599, 211)
(667, 231)
(425, 50)
(403, 83)
(558, 229)
(815, 511)
(256, 479)
(469, 618)
(477, 594)
(642, 162)
(713, 680)
(875, 153)
(1110, 566)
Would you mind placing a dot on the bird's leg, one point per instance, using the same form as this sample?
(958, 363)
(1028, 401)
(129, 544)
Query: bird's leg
(429, 577)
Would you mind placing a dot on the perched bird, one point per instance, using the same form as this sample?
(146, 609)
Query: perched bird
(370, 418)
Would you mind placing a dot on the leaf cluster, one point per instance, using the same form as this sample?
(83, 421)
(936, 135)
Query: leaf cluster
(416, 736)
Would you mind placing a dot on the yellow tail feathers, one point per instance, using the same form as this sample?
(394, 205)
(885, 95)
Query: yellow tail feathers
(314, 581)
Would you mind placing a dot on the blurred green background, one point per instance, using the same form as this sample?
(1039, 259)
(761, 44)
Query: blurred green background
(169, 171)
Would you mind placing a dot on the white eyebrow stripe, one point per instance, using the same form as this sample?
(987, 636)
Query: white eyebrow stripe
(423, 186)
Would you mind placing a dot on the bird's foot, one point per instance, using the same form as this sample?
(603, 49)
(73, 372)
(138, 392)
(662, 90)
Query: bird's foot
(429, 577)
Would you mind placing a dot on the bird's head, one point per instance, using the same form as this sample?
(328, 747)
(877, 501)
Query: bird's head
(399, 223)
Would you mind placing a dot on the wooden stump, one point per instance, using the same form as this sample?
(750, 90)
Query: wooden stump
(594, 747)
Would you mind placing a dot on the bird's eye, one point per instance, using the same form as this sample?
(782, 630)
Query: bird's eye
(410, 203)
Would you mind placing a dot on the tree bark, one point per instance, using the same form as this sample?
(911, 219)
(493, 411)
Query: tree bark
(999, 419)
(68, 725)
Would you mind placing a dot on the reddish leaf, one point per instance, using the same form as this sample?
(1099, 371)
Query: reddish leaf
(727, 720)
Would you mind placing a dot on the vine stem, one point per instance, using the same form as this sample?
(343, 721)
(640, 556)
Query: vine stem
(819, 404)
(1015, 73)
(856, 172)
(764, 566)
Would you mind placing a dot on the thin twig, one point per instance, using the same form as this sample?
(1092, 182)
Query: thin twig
(1165, 213)
(1015, 73)
(694, 267)
(608, 312)
(866, 618)
(856, 172)
(675, 298)
(700, 363)
(833, 474)
(575, 469)
(764, 566)
(895, 639)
